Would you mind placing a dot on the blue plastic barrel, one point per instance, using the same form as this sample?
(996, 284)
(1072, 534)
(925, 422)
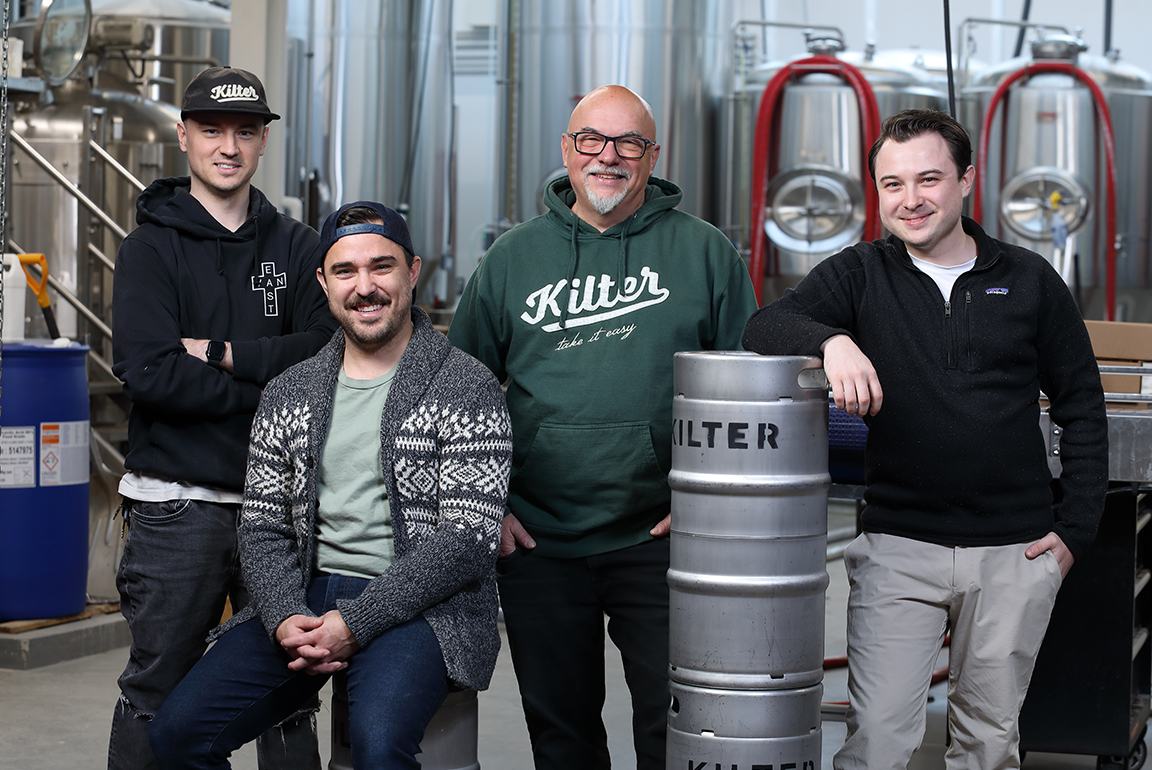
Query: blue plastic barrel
(44, 464)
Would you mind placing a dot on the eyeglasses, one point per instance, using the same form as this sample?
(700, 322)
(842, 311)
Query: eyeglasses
(628, 147)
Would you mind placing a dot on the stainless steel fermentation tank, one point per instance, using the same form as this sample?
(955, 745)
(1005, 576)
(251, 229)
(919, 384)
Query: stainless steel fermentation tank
(673, 53)
(134, 49)
(158, 46)
(799, 189)
(371, 107)
(139, 134)
(1064, 143)
(748, 552)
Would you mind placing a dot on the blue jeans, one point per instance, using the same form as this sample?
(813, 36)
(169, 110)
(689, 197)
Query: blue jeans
(180, 563)
(242, 686)
(554, 613)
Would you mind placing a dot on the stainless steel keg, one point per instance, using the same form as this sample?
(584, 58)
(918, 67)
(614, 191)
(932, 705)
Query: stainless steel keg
(749, 521)
(744, 729)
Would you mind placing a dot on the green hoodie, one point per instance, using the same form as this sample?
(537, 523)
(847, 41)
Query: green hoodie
(583, 326)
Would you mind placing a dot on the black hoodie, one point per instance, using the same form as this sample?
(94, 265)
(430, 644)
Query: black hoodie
(183, 274)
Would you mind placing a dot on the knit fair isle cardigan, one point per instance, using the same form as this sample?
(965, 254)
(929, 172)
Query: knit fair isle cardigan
(446, 441)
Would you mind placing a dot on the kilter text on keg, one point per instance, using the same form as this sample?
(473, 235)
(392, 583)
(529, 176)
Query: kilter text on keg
(733, 435)
(805, 765)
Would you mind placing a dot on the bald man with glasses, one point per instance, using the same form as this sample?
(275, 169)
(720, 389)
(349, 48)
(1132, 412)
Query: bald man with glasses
(579, 312)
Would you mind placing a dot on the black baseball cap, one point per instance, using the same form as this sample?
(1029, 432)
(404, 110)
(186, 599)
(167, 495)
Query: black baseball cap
(226, 89)
(394, 228)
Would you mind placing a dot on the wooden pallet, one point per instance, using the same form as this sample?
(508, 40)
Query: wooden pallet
(92, 610)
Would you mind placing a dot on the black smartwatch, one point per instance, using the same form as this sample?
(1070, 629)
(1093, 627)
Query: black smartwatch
(215, 352)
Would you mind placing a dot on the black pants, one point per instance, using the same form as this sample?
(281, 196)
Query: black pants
(554, 613)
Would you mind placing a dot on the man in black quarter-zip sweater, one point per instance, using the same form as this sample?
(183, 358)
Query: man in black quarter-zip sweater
(954, 334)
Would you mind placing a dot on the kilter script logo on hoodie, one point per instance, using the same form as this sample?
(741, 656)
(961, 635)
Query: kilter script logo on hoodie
(592, 300)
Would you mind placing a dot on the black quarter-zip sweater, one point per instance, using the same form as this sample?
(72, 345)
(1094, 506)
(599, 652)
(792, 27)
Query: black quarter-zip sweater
(955, 456)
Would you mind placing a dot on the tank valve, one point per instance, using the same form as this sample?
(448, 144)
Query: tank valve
(823, 45)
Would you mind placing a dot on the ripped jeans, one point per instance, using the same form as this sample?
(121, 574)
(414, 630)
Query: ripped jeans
(180, 563)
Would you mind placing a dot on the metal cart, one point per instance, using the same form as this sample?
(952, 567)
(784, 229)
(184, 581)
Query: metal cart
(1090, 692)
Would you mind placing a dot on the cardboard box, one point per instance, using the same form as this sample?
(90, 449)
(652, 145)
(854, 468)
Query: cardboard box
(1118, 340)
(1119, 383)
(1122, 344)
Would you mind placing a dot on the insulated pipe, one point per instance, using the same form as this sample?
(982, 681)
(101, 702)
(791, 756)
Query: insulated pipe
(869, 130)
(948, 59)
(1105, 118)
(1107, 27)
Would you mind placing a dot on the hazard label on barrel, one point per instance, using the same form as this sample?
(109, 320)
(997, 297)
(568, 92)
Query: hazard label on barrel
(63, 453)
(18, 456)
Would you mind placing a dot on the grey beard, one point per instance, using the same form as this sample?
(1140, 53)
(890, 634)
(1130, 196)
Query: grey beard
(601, 204)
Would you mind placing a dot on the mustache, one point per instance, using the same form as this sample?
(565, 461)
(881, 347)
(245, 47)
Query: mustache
(610, 171)
(374, 298)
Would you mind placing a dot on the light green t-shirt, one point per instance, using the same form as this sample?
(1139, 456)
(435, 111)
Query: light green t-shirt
(353, 521)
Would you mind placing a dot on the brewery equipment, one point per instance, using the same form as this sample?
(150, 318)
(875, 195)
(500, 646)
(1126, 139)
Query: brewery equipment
(801, 131)
(371, 108)
(670, 53)
(85, 138)
(158, 46)
(758, 728)
(97, 83)
(1050, 128)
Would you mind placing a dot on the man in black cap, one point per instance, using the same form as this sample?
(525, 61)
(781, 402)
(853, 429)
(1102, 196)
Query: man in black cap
(213, 297)
(376, 485)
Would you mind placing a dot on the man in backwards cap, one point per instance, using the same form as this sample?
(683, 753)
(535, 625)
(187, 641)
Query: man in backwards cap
(376, 485)
(213, 297)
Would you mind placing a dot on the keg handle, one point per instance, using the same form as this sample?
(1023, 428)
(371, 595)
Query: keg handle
(814, 379)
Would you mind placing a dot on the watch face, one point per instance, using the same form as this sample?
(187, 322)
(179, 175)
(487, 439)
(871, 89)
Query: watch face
(215, 351)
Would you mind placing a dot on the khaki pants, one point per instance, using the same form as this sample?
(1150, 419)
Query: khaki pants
(905, 595)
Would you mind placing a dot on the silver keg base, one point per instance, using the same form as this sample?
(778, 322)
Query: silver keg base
(802, 752)
(744, 729)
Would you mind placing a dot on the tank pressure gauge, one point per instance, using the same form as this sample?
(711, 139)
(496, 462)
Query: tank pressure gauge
(60, 38)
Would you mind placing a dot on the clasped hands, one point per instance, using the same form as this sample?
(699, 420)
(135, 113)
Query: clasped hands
(317, 645)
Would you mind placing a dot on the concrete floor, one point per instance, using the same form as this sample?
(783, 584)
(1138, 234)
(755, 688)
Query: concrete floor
(57, 717)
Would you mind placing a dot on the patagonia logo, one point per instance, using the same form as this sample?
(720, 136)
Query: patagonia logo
(234, 92)
(996, 290)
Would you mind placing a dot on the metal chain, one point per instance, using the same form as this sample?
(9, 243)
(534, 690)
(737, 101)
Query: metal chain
(3, 169)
